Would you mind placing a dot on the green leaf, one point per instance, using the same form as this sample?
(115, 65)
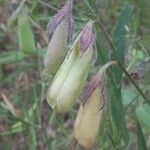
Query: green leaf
(118, 129)
(14, 56)
(25, 35)
(140, 138)
(11, 58)
(128, 95)
(102, 52)
(119, 39)
(91, 2)
(142, 114)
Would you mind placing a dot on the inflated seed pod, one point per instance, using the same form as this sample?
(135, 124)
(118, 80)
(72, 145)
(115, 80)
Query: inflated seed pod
(71, 76)
(60, 29)
(89, 115)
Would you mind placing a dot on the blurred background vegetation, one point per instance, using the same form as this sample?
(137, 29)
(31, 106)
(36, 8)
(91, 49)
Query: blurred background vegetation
(26, 120)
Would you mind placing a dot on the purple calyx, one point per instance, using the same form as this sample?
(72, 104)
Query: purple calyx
(65, 12)
(87, 39)
(95, 82)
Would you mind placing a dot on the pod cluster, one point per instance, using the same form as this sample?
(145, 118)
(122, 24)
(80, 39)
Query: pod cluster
(70, 65)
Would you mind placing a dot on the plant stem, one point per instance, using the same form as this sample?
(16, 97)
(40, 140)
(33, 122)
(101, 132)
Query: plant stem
(109, 40)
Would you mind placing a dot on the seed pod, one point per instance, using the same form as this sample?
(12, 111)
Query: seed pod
(60, 29)
(90, 112)
(57, 49)
(71, 76)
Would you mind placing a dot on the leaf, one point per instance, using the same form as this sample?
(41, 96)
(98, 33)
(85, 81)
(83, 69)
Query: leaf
(14, 57)
(25, 35)
(128, 95)
(102, 53)
(11, 58)
(118, 127)
(91, 2)
(140, 138)
(142, 114)
(119, 39)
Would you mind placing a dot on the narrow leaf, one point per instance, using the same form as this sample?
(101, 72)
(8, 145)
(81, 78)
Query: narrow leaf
(25, 35)
(11, 58)
(118, 127)
(140, 138)
(119, 39)
(102, 53)
(142, 114)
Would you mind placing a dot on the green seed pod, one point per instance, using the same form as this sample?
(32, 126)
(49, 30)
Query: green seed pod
(89, 115)
(70, 78)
